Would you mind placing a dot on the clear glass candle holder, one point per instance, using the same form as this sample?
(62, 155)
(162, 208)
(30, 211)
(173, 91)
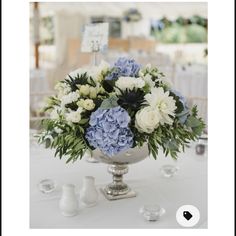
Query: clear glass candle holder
(47, 186)
(152, 212)
(169, 171)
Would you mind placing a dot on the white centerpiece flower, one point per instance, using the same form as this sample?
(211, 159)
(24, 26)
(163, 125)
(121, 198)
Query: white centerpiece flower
(96, 71)
(62, 89)
(84, 90)
(148, 80)
(74, 116)
(88, 104)
(129, 83)
(163, 103)
(147, 119)
(69, 98)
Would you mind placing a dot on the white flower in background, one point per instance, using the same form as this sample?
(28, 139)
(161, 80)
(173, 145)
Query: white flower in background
(69, 98)
(74, 116)
(88, 104)
(129, 83)
(165, 104)
(148, 80)
(84, 90)
(147, 119)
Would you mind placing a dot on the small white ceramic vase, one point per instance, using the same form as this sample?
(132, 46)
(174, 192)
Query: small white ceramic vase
(68, 203)
(88, 193)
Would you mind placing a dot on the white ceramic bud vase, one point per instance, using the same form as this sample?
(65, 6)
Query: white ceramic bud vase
(88, 193)
(68, 203)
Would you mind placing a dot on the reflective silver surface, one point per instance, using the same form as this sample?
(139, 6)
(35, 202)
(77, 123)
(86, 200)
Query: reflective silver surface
(118, 166)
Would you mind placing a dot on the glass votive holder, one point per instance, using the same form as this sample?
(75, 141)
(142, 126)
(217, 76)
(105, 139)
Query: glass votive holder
(152, 212)
(169, 171)
(47, 186)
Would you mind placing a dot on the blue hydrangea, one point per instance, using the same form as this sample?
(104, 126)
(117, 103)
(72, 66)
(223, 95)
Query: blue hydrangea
(124, 67)
(184, 114)
(109, 130)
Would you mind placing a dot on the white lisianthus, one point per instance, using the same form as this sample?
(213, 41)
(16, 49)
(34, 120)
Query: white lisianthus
(84, 90)
(166, 82)
(148, 80)
(69, 98)
(96, 71)
(130, 83)
(92, 92)
(74, 116)
(147, 119)
(165, 104)
(88, 104)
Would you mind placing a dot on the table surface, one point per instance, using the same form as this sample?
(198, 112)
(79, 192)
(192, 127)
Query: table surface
(187, 187)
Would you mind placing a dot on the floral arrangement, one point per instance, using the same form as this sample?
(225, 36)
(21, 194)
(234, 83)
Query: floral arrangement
(114, 108)
(132, 15)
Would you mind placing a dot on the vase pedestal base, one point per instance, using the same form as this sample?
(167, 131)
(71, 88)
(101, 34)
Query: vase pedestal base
(110, 197)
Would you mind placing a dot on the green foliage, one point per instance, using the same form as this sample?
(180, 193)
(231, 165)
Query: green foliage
(109, 102)
(70, 142)
(131, 100)
(82, 79)
(173, 139)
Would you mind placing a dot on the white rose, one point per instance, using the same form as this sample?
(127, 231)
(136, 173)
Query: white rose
(147, 119)
(139, 83)
(74, 116)
(84, 90)
(88, 104)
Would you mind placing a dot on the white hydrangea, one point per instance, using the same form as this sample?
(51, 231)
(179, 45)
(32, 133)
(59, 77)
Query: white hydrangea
(74, 116)
(130, 83)
(69, 98)
(165, 104)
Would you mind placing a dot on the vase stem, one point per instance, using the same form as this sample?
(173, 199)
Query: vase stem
(117, 187)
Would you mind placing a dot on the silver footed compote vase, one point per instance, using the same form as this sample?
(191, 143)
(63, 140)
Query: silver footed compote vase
(118, 166)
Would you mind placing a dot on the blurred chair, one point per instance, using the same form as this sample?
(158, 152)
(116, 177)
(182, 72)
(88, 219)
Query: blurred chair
(191, 80)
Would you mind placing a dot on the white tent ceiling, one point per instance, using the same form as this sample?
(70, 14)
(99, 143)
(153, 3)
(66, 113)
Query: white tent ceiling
(149, 10)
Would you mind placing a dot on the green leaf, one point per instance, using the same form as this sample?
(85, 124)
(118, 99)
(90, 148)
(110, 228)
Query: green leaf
(193, 122)
(109, 102)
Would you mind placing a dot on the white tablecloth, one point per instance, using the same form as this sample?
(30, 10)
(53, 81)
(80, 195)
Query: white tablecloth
(187, 187)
